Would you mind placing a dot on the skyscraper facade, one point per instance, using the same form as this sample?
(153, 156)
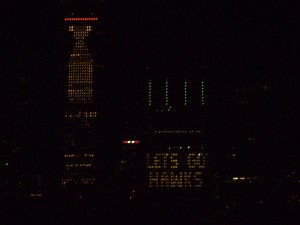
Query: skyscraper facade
(79, 148)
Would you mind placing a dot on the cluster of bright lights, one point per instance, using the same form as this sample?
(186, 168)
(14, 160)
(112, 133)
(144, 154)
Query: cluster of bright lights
(131, 142)
(81, 19)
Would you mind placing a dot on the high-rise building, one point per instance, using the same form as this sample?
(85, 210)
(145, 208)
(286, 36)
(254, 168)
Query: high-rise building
(79, 148)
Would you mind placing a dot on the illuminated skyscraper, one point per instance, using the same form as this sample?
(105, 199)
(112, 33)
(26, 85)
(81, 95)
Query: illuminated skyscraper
(79, 148)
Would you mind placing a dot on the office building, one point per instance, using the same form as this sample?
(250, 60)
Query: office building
(80, 142)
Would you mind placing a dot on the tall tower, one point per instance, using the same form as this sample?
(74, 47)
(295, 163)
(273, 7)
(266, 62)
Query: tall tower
(79, 148)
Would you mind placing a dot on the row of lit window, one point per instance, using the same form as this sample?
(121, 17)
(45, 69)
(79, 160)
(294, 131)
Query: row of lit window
(81, 94)
(80, 83)
(81, 114)
(80, 91)
(78, 155)
(81, 100)
(83, 60)
(80, 87)
(64, 182)
(179, 147)
(81, 34)
(77, 179)
(80, 54)
(176, 131)
(79, 165)
(81, 19)
(80, 29)
(80, 74)
(80, 64)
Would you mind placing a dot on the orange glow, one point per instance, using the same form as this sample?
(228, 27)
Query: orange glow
(82, 19)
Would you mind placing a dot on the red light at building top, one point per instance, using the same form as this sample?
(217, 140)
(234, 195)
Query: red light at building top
(132, 142)
(82, 19)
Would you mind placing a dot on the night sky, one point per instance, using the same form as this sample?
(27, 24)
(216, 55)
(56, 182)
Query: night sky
(227, 41)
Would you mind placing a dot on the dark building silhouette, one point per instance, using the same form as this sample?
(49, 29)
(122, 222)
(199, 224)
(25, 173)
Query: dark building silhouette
(245, 154)
(14, 123)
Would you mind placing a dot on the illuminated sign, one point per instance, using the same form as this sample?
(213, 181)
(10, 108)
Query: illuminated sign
(176, 170)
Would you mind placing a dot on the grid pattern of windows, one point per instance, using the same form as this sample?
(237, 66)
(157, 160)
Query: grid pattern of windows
(176, 169)
(80, 79)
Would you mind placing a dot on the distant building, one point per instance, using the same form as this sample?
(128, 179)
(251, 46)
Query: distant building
(80, 143)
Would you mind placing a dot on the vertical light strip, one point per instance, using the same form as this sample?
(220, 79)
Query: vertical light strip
(185, 92)
(202, 92)
(167, 93)
(150, 92)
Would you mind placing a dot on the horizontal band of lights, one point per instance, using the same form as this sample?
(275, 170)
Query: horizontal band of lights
(177, 131)
(132, 142)
(81, 19)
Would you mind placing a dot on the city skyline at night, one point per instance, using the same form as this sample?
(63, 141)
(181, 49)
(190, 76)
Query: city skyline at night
(149, 113)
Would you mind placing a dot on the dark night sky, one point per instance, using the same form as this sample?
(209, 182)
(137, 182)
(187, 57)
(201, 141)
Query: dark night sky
(233, 39)
(170, 36)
